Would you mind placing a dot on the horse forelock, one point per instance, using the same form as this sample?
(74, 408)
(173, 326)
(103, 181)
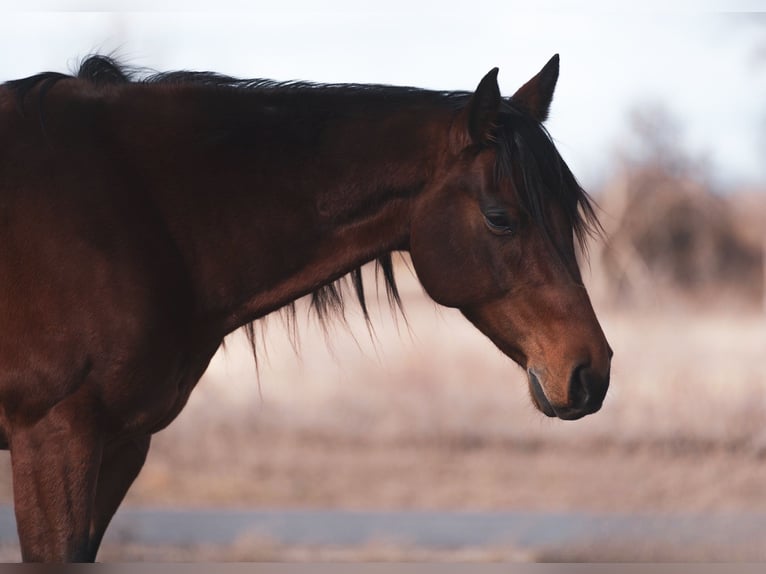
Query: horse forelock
(525, 145)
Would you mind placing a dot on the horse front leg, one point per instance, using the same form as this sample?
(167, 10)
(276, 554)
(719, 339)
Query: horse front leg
(120, 464)
(55, 464)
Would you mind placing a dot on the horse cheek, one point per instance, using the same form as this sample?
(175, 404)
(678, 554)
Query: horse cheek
(447, 259)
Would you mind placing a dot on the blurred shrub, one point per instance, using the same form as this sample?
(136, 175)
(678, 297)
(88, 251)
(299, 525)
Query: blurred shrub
(670, 234)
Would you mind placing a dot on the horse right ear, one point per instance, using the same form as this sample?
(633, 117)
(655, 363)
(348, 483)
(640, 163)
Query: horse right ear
(535, 96)
(482, 109)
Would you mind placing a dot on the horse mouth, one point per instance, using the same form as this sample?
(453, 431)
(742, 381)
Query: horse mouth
(538, 395)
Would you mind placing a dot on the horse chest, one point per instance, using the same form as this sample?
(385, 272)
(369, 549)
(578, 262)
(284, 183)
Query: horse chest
(155, 404)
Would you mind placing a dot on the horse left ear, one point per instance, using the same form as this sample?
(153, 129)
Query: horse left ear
(536, 95)
(483, 108)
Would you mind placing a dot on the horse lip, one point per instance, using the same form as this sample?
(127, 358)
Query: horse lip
(538, 395)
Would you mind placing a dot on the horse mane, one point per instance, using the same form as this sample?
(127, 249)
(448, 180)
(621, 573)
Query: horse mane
(523, 147)
(527, 149)
(103, 70)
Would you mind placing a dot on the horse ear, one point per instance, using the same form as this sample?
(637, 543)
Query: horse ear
(483, 108)
(535, 96)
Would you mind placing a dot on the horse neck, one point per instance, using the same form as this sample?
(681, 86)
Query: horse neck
(279, 200)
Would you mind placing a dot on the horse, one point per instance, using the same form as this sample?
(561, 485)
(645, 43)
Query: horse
(145, 216)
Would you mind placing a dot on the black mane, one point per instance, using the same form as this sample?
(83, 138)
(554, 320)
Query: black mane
(525, 145)
(104, 70)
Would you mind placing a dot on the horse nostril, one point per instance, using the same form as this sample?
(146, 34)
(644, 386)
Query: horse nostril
(578, 388)
(587, 389)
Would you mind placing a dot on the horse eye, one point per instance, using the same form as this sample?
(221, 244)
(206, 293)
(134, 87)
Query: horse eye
(499, 222)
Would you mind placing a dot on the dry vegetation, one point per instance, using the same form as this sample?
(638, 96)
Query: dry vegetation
(445, 422)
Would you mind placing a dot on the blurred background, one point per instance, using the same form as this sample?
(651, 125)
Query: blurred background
(660, 112)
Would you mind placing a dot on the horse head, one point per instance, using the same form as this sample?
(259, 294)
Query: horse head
(494, 235)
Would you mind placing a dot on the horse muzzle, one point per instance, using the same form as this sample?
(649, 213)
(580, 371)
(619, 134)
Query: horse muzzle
(586, 390)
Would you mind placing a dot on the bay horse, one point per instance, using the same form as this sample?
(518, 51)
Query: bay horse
(145, 217)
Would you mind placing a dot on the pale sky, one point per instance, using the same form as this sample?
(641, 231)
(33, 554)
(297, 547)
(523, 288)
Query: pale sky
(707, 67)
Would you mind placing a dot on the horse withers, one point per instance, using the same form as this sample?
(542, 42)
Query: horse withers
(144, 219)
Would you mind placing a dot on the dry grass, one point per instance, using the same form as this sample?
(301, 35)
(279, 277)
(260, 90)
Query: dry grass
(435, 417)
(678, 373)
(254, 549)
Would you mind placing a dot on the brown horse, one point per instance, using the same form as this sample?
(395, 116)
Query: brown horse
(143, 219)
